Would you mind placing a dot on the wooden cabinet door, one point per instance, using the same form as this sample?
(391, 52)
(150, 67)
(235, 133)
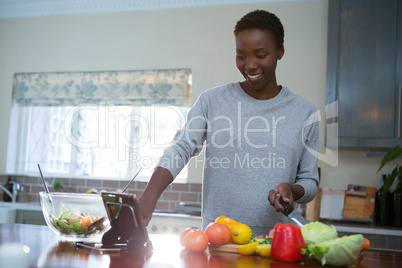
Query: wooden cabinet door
(361, 74)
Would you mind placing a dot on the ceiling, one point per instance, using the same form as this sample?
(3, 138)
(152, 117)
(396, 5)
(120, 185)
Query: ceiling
(35, 8)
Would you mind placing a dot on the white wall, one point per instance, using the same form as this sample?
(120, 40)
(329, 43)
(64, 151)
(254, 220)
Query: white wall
(200, 39)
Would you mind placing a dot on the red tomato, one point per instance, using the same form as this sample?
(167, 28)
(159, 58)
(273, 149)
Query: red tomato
(196, 241)
(183, 235)
(218, 233)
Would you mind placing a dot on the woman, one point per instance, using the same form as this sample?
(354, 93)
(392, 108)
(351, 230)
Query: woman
(253, 134)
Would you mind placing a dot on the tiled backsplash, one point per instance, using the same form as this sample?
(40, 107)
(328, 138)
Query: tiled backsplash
(176, 192)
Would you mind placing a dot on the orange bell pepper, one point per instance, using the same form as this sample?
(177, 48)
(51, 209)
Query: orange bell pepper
(227, 221)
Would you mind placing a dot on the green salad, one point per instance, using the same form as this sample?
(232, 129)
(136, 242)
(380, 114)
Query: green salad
(70, 223)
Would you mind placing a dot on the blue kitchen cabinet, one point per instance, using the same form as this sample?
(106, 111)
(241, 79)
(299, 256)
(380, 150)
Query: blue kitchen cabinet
(364, 73)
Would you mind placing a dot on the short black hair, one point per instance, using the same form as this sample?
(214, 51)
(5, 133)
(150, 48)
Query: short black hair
(263, 20)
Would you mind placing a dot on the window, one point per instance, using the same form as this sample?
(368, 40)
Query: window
(99, 137)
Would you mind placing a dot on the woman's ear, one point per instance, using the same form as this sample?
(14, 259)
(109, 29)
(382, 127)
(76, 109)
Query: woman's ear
(281, 51)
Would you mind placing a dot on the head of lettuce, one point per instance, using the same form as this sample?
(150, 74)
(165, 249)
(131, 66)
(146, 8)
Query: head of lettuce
(317, 232)
(336, 252)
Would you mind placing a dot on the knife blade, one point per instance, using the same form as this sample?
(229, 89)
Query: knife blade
(293, 214)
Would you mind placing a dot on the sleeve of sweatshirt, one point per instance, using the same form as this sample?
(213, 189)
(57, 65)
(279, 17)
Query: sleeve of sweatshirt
(187, 142)
(307, 174)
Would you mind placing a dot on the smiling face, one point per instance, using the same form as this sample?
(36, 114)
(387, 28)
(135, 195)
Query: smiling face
(256, 58)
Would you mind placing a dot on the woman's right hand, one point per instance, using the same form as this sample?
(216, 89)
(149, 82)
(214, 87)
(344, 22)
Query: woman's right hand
(288, 192)
(284, 190)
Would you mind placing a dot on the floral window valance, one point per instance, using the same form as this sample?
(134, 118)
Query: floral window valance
(146, 87)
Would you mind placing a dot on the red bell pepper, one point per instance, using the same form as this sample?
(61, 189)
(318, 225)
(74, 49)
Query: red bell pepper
(287, 243)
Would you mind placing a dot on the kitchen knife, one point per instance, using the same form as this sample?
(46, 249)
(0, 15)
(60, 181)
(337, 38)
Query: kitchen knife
(293, 214)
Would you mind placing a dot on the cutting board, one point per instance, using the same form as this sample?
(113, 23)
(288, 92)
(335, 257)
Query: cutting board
(359, 202)
(229, 247)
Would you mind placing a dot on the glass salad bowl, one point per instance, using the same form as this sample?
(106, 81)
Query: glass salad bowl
(71, 214)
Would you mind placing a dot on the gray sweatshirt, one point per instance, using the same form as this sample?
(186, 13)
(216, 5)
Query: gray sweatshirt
(251, 146)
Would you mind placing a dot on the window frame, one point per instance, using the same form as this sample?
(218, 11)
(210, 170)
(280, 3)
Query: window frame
(145, 88)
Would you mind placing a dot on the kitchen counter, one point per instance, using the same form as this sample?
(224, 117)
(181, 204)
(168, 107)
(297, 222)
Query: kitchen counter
(381, 237)
(21, 206)
(46, 250)
(363, 228)
(341, 226)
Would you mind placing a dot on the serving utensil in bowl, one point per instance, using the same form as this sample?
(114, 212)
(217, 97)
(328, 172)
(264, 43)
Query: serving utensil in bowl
(43, 180)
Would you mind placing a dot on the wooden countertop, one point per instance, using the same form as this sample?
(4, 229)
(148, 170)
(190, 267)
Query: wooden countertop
(46, 250)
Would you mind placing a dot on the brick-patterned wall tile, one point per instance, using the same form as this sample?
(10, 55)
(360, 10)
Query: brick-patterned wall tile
(141, 185)
(195, 187)
(171, 196)
(182, 187)
(33, 180)
(174, 193)
(97, 184)
(172, 205)
(162, 205)
(35, 189)
(111, 184)
(34, 198)
(189, 197)
(3, 179)
(77, 183)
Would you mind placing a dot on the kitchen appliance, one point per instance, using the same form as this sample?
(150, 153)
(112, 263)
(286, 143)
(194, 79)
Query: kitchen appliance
(332, 204)
(172, 223)
(127, 231)
(188, 208)
(293, 214)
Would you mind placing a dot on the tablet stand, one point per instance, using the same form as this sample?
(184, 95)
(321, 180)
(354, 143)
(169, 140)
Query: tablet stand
(127, 229)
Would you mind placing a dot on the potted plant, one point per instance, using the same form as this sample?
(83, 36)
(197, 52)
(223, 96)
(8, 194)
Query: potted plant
(385, 203)
(57, 185)
(391, 156)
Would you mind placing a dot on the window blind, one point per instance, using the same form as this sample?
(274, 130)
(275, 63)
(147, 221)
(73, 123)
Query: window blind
(138, 88)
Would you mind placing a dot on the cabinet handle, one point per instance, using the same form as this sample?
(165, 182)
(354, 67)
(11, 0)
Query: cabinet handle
(399, 110)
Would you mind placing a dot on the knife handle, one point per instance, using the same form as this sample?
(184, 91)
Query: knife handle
(288, 207)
